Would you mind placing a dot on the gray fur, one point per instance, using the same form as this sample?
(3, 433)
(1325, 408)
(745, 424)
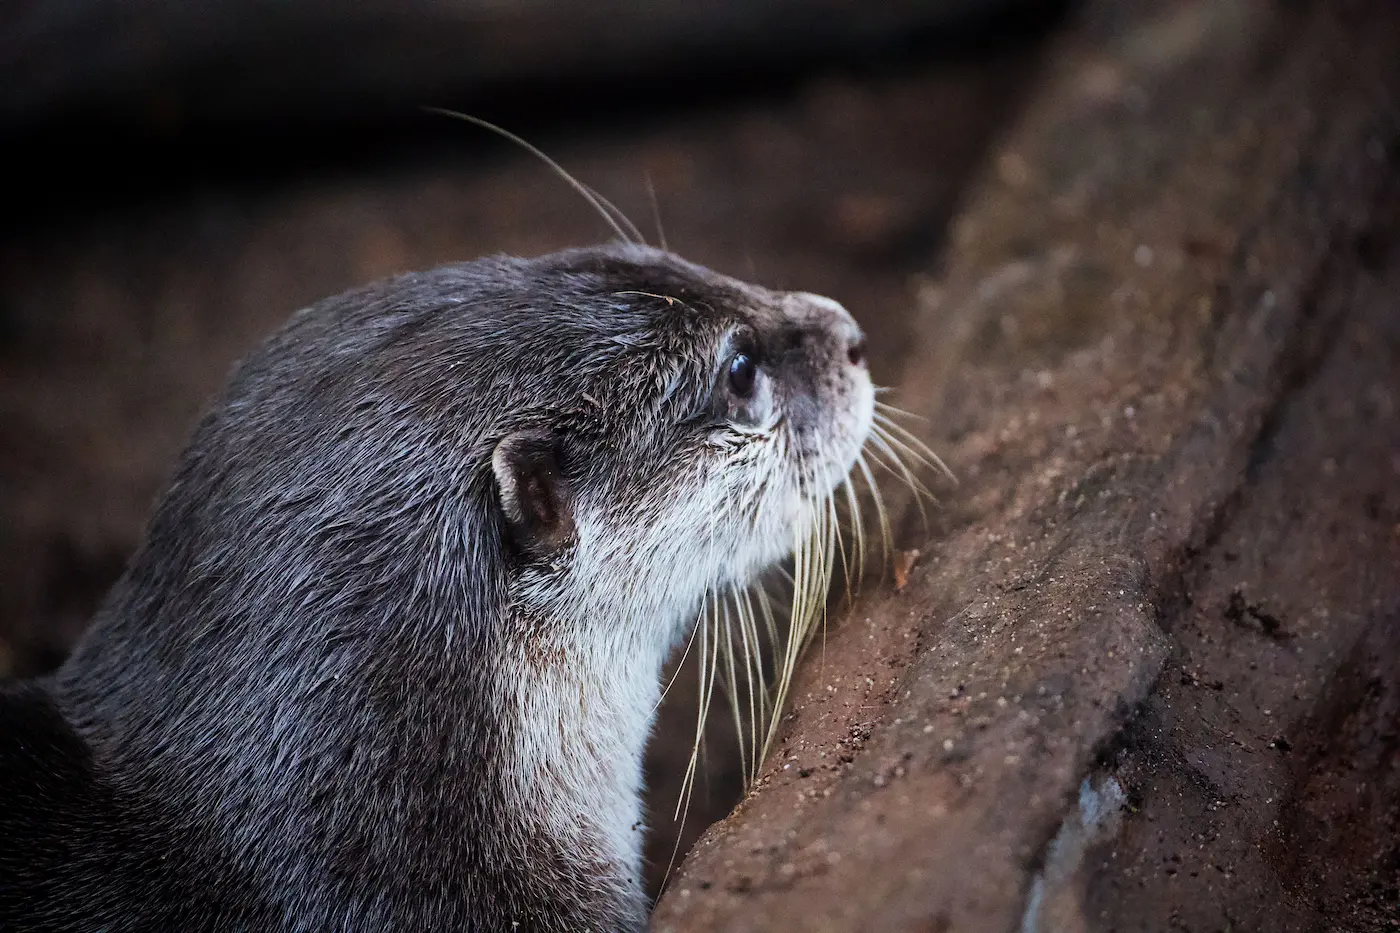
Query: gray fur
(334, 691)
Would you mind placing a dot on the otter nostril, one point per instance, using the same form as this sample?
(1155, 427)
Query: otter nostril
(856, 352)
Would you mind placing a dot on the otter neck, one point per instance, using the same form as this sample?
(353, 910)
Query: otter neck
(582, 710)
(577, 762)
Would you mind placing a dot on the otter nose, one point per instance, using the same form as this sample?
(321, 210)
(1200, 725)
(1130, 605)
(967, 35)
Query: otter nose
(832, 319)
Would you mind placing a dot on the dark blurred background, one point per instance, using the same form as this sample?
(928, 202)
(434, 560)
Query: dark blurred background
(184, 175)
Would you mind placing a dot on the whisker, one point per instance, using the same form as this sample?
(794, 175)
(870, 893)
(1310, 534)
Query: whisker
(655, 211)
(709, 621)
(828, 507)
(881, 514)
(679, 664)
(629, 235)
(770, 622)
(732, 689)
(919, 490)
(831, 543)
(820, 540)
(917, 446)
(757, 683)
(812, 569)
(903, 449)
(891, 457)
(897, 411)
(759, 675)
(616, 213)
(834, 523)
(784, 674)
(857, 526)
(702, 707)
(707, 624)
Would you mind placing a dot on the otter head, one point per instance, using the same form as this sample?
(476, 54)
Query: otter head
(564, 454)
(680, 434)
(428, 554)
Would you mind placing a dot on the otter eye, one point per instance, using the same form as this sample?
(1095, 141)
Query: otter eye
(743, 370)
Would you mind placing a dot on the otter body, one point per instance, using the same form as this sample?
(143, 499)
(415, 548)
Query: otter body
(388, 656)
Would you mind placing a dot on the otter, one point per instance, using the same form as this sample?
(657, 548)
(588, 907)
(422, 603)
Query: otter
(388, 656)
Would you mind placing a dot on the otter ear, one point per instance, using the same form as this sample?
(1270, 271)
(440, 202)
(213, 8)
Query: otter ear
(535, 496)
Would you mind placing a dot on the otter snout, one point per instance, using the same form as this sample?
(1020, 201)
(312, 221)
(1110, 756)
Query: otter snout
(820, 359)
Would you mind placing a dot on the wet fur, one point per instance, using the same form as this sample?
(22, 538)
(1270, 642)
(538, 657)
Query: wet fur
(332, 691)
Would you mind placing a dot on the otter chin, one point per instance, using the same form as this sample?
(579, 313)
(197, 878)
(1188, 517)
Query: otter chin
(389, 654)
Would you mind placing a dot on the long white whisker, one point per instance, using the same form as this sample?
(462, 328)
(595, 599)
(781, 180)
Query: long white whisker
(883, 516)
(919, 490)
(770, 622)
(898, 412)
(588, 194)
(732, 689)
(679, 664)
(616, 213)
(656, 212)
(707, 684)
(828, 506)
(857, 526)
(750, 657)
(914, 445)
(762, 694)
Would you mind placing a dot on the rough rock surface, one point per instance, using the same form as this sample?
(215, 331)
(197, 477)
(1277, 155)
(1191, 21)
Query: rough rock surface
(1145, 675)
